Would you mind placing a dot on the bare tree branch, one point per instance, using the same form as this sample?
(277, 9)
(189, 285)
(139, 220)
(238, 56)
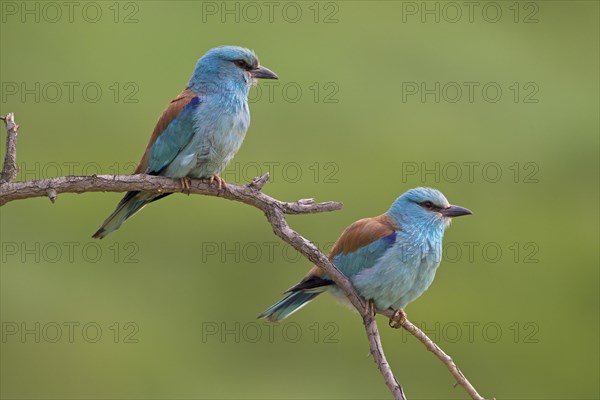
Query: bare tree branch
(9, 170)
(250, 194)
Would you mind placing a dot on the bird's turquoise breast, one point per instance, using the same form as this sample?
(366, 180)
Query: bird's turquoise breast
(219, 130)
(222, 141)
(404, 272)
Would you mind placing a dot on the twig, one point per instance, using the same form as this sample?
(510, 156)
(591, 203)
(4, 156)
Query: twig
(9, 169)
(445, 358)
(250, 194)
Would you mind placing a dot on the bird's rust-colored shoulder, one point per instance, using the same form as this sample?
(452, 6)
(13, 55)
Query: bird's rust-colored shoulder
(359, 234)
(362, 233)
(168, 115)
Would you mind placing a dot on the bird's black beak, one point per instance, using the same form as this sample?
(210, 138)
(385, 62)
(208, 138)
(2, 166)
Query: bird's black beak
(264, 73)
(455, 211)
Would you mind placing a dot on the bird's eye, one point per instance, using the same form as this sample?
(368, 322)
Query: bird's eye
(242, 64)
(428, 205)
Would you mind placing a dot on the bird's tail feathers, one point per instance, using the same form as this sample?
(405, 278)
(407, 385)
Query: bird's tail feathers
(129, 205)
(299, 296)
(288, 305)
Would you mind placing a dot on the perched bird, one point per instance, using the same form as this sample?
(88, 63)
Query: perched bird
(200, 130)
(390, 259)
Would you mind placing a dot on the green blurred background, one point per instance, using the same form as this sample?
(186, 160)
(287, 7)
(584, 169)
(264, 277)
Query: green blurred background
(165, 307)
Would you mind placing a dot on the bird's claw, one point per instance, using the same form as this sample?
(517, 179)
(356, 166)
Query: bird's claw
(217, 178)
(370, 308)
(186, 184)
(398, 319)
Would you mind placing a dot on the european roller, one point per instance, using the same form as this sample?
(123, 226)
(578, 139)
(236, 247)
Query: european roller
(390, 259)
(201, 130)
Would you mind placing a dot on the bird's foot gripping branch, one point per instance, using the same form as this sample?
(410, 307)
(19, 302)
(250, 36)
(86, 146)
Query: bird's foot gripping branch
(274, 210)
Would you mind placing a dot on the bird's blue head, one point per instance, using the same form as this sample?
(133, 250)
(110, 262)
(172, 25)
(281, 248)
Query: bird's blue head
(229, 66)
(424, 207)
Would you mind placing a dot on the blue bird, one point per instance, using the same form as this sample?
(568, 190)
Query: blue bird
(390, 259)
(200, 130)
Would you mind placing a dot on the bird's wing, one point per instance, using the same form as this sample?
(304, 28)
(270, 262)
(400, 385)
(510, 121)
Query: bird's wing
(172, 132)
(363, 233)
(359, 246)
